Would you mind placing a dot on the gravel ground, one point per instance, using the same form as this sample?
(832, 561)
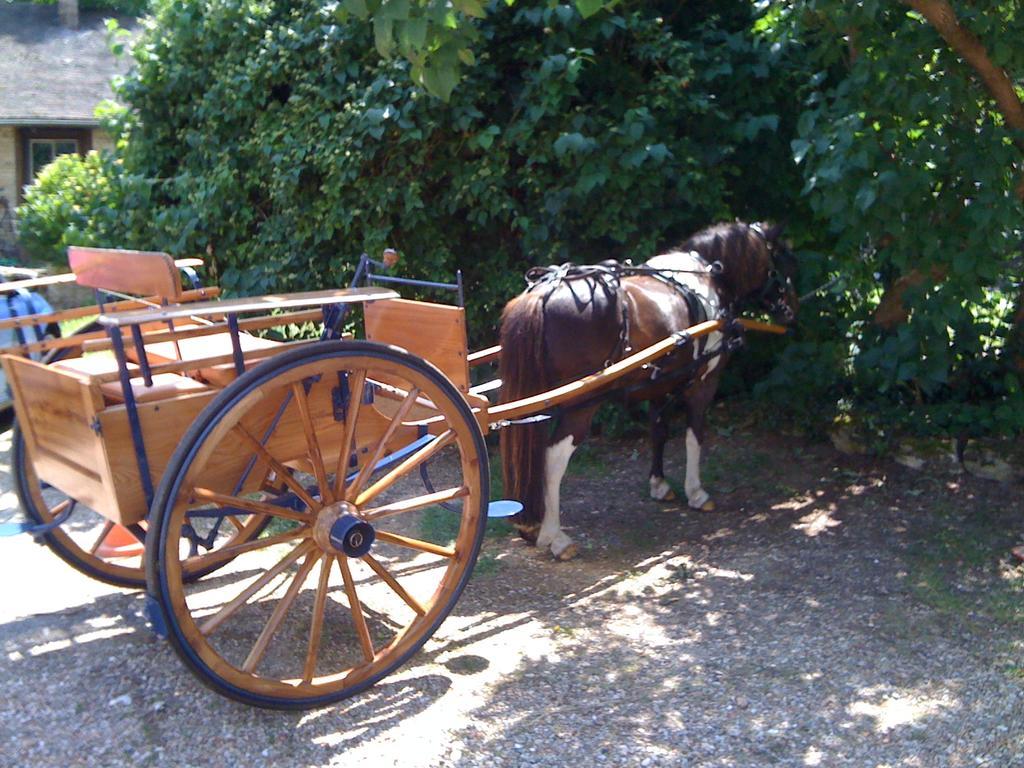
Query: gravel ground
(834, 611)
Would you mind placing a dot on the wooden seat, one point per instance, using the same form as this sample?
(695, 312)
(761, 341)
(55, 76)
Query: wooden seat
(164, 386)
(140, 273)
(200, 347)
(435, 332)
(92, 365)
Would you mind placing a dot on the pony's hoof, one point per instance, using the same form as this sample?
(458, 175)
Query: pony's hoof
(568, 552)
(661, 490)
(528, 532)
(701, 500)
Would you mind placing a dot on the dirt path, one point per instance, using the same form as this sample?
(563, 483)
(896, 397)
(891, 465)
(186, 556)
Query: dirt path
(832, 612)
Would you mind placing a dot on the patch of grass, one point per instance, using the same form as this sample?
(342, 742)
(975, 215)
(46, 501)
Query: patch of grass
(497, 481)
(645, 531)
(487, 564)
(279, 525)
(959, 569)
(586, 462)
(439, 525)
(1015, 673)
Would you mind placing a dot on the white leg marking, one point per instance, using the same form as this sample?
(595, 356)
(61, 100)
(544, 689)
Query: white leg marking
(714, 340)
(696, 496)
(660, 489)
(556, 461)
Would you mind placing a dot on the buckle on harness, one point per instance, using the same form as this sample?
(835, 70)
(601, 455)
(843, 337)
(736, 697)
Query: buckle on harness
(682, 338)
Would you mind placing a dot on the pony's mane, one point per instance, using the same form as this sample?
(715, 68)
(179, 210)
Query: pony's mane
(739, 248)
(719, 242)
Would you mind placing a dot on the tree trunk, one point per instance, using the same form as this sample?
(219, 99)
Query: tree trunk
(942, 17)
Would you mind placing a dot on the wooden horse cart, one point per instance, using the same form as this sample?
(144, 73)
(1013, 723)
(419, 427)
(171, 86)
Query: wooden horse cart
(304, 514)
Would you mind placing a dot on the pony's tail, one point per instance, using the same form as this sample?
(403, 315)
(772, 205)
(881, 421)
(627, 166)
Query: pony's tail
(523, 373)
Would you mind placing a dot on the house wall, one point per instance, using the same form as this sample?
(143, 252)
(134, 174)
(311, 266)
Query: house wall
(9, 162)
(101, 140)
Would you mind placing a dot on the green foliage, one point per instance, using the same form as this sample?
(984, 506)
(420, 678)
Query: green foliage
(82, 201)
(278, 140)
(284, 137)
(907, 165)
(129, 7)
(436, 38)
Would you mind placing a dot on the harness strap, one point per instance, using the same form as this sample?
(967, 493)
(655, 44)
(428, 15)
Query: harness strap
(608, 274)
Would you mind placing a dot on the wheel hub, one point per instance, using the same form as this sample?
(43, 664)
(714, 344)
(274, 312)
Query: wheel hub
(340, 530)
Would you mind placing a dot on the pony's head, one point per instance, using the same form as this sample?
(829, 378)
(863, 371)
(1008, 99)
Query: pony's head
(757, 266)
(778, 294)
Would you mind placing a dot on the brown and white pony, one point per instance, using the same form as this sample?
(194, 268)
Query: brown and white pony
(571, 325)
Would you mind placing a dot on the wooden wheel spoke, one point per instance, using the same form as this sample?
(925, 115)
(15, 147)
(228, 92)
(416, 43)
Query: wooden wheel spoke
(250, 505)
(60, 508)
(392, 582)
(108, 526)
(229, 609)
(279, 469)
(312, 444)
(259, 648)
(364, 474)
(421, 546)
(355, 389)
(224, 554)
(417, 502)
(317, 621)
(423, 454)
(365, 641)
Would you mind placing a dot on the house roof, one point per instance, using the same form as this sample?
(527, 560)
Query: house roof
(50, 74)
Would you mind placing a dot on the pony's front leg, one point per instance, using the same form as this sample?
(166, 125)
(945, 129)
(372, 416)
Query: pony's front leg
(556, 461)
(660, 489)
(696, 496)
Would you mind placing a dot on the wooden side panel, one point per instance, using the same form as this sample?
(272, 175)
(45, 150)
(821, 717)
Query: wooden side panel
(224, 464)
(163, 424)
(436, 332)
(56, 410)
(141, 273)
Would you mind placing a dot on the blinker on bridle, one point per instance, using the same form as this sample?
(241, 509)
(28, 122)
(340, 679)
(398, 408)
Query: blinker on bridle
(773, 294)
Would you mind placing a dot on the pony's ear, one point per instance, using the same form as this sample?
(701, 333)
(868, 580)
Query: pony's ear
(774, 232)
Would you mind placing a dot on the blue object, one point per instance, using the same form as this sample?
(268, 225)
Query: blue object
(394, 458)
(352, 536)
(155, 617)
(37, 529)
(14, 529)
(504, 508)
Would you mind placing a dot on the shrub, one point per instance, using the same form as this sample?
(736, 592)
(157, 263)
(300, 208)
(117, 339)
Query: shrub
(82, 201)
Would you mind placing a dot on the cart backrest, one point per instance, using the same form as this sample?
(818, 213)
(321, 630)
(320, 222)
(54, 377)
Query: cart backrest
(139, 273)
(435, 332)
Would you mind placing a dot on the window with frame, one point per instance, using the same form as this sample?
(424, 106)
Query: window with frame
(42, 152)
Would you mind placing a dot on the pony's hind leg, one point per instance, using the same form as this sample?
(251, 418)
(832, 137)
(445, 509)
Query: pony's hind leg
(660, 489)
(556, 461)
(573, 427)
(696, 412)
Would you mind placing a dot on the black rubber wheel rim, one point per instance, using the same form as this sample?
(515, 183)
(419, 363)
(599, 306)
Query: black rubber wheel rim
(211, 624)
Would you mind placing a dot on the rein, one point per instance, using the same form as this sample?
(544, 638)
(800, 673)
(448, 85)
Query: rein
(820, 289)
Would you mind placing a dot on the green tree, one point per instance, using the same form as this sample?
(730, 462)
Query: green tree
(278, 140)
(910, 143)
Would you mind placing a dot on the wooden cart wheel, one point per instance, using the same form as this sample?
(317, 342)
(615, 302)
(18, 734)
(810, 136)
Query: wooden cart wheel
(360, 564)
(88, 541)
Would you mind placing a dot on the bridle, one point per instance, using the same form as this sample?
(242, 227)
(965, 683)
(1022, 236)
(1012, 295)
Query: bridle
(775, 292)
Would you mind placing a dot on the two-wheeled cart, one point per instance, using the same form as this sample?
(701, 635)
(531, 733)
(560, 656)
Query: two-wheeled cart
(303, 514)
